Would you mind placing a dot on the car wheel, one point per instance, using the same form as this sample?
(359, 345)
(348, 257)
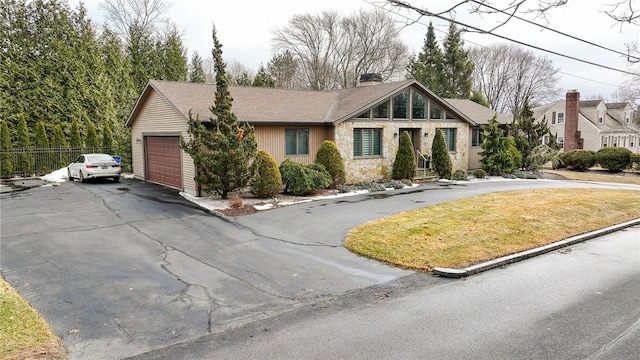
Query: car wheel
(116, 179)
(69, 173)
(80, 176)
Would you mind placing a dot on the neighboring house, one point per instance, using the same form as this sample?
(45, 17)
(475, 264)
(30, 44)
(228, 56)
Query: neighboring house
(365, 123)
(591, 124)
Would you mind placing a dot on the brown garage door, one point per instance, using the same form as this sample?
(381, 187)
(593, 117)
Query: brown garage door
(163, 160)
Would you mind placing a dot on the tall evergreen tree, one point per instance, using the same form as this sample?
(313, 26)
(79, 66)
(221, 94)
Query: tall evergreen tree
(75, 139)
(107, 137)
(263, 79)
(173, 57)
(58, 142)
(41, 141)
(222, 155)
(283, 69)
(497, 157)
(6, 166)
(528, 134)
(427, 67)
(457, 68)
(92, 136)
(196, 69)
(404, 166)
(24, 144)
(440, 156)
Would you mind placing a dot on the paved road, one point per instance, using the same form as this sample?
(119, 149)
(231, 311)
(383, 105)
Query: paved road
(582, 302)
(122, 269)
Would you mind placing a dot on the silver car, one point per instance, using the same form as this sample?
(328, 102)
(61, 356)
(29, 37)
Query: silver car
(92, 166)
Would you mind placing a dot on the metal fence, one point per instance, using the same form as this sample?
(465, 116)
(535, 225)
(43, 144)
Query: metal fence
(39, 162)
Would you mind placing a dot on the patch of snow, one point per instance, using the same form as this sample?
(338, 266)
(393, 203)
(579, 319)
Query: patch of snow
(57, 176)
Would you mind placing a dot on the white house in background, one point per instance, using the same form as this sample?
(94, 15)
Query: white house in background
(591, 124)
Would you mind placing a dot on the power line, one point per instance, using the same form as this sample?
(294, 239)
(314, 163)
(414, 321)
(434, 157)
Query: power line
(428, 13)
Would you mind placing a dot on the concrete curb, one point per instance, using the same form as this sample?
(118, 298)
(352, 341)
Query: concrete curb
(475, 269)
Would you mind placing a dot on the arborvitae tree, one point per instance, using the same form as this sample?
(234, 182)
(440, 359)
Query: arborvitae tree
(457, 67)
(222, 155)
(107, 137)
(440, 156)
(41, 141)
(75, 139)
(196, 69)
(6, 169)
(478, 98)
(268, 180)
(263, 79)
(427, 67)
(329, 156)
(404, 166)
(141, 55)
(173, 57)
(497, 157)
(528, 134)
(24, 144)
(58, 142)
(92, 136)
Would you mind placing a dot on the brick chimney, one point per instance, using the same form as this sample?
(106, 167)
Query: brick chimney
(571, 134)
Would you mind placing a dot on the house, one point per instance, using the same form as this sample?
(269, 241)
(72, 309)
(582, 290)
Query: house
(591, 124)
(365, 123)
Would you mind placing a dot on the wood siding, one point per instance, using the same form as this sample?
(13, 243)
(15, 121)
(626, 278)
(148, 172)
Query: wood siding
(157, 118)
(271, 138)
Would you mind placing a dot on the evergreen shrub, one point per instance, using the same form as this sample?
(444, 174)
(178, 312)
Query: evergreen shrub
(404, 166)
(578, 159)
(267, 181)
(460, 175)
(440, 156)
(299, 179)
(329, 156)
(613, 158)
(479, 173)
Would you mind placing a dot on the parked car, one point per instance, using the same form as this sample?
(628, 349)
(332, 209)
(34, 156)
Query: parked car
(92, 166)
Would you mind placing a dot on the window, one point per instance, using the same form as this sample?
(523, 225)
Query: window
(600, 116)
(449, 138)
(615, 140)
(381, 111)
(401, 105)
(632, 141)
(297, 141)
(560, 118)
(367, 142)
(364, 115)
(627, 117)
(435, 112)
(476, 136)
(553, 118)
(419, 106)
(545, 139)
(561, 141)
(604, 141)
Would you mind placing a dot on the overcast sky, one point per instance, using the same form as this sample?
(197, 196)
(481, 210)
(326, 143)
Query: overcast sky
(244, 28)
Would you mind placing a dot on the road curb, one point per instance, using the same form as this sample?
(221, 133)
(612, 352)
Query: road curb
(509, 259)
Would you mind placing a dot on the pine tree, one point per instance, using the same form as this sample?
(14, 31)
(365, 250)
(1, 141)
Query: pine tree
(107, 138)
(263, 79)
(41, 141)
(457, 67)
(91, 142)
(427, 68)
(528, 134)
(6, 169)
(24, 145)
(75, 140)
(283, 69)
(196, 69)
(404, 166)
(222, 155)
(440, 156)
(329, 156)
(173, 57)
(268, 180)
(478, 98)
(497, 157)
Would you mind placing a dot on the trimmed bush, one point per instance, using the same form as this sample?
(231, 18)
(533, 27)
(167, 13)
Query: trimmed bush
(479, 173)
(329, 156)
(267, 181)
(404, 166)
(578, 159)
(299, 179)
(613, 158)
(635, 161)
(460, 175)
(440, 156)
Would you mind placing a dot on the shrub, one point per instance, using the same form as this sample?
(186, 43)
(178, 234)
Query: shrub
(440, 156)
(396, 184)
(235, 201)
(460, 175)
(634, 159)
(613, 159)
(479, 173)
(6, 166)
(517, 156)
(329, 156)
(578, 159)
(268, 180)
(404, 166)
(299, 179)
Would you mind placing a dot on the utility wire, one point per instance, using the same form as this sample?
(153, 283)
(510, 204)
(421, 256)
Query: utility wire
(428, 13)
(629, 56)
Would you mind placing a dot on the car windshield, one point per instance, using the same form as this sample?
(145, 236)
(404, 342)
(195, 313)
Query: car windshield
(99, 158)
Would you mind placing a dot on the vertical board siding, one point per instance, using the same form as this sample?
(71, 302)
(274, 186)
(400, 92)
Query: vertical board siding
(271, 138)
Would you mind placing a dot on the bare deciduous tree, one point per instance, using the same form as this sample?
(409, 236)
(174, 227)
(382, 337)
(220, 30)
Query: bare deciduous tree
(332, 51)
(508, 76)
(146, 14)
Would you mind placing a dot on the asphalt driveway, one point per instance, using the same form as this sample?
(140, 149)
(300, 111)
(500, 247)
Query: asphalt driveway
(121, 269)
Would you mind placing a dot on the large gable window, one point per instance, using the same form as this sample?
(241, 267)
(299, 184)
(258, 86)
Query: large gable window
(401, 105)
(381, 111)
(449, 138)
(435, 111)
(419, 106)
(367, 142)
(297, 141)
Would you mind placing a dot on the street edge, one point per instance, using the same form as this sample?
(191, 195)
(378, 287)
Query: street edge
(509, 259)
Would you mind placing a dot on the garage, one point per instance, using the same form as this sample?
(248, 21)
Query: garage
(163, 160)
